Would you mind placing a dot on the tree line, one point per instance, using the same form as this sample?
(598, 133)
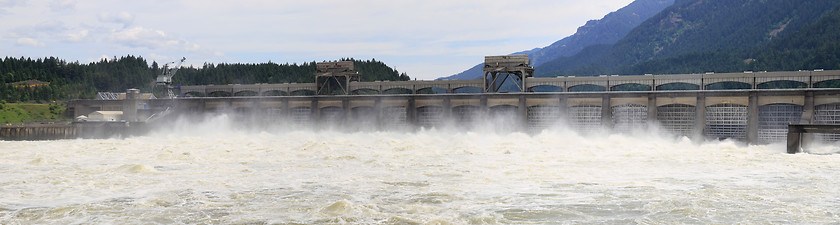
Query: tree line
(73, 80)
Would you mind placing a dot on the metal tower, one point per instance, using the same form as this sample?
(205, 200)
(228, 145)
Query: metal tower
(165, 78)
(497, 69)
(332, 78)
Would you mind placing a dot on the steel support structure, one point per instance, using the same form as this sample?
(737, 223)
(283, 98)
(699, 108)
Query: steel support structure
(333, 78)
(498, 69)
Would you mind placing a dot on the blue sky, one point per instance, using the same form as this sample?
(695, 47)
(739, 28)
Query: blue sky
(424, 38)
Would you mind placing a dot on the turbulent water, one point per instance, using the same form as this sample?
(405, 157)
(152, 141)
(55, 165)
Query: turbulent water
(214, 173)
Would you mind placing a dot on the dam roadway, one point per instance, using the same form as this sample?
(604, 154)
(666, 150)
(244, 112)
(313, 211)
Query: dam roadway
(757, 110)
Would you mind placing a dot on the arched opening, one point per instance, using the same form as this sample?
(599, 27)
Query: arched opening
(274, 93)
(467, 90)
(431, 90)
(585, 118)
(587, 88)
(397, 91)
(546, 88)
(245, 93)
(245, 115)
(773, 120)
(827, 114)
(782, 84)
(301, 117)
(728, 85)
(394, 118)
(543, 116)
(364, 91)
(331, 116)
(302, 92)
(677, 119)
(219, 94)
(273, 114)
(466, 115)
(363, 118)
(506, 118)
(827, 84)
(630, 87)
(429, 116)
(629, 117)
(194, 94)
(678, 86)
(726, 121)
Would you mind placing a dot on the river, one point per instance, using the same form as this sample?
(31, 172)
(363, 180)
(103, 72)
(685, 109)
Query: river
(214, 173)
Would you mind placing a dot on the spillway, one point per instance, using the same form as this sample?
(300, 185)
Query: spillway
(430, 116)
(301, 117)
(726, 121)
(543, 116)
(394, 118)
(827, 114)
(585, 118)
(629, 117)
(773, 121)
(677, 119)
(466, 116)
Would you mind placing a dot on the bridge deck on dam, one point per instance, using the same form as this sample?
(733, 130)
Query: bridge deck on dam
(754, 115)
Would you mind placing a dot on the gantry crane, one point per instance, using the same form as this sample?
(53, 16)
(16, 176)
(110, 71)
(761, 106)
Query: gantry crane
(165, 78)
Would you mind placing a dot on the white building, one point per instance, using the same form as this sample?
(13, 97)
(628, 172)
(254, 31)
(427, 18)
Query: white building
(105, 116)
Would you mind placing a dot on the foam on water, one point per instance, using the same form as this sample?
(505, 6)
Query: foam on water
(214, 173)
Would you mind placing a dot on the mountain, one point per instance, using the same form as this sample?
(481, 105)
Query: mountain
(694, 36)
(607, 30)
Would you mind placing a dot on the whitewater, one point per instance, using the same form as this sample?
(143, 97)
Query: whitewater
(213, 172)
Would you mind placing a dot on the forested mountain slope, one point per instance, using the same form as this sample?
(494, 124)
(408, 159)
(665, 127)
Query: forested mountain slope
(710, 35)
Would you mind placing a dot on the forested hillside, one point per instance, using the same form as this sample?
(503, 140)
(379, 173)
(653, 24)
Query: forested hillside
(605, 31)
(816, 46)
(237, 73)
(695, 36)
(48, 79)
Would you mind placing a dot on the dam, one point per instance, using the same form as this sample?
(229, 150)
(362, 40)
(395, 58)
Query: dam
(755, 107)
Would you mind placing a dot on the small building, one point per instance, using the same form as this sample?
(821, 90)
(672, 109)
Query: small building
(105, 116)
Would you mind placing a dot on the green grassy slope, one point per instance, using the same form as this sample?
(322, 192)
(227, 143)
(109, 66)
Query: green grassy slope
(19, 113)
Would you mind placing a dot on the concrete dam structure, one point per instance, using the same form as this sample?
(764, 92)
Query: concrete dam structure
(750, 106)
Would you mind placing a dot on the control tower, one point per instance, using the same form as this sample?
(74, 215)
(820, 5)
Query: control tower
(332, 78)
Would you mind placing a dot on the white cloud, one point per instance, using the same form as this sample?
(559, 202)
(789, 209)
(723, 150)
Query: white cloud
(76, 36)
(62, 5)
(139, 37)
(39, 30)
(5, 5)
(158, 58)
(25, 41)
(123, 18)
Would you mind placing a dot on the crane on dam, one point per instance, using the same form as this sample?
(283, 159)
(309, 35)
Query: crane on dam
(164, 81)
(165, 78)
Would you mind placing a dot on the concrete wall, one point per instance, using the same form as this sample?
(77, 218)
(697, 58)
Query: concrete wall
(607, 101)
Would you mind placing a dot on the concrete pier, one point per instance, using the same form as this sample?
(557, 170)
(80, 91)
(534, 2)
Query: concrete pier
(795, 131)
(72, 131)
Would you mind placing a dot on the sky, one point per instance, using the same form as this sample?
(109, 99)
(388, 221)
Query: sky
(426, 39)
